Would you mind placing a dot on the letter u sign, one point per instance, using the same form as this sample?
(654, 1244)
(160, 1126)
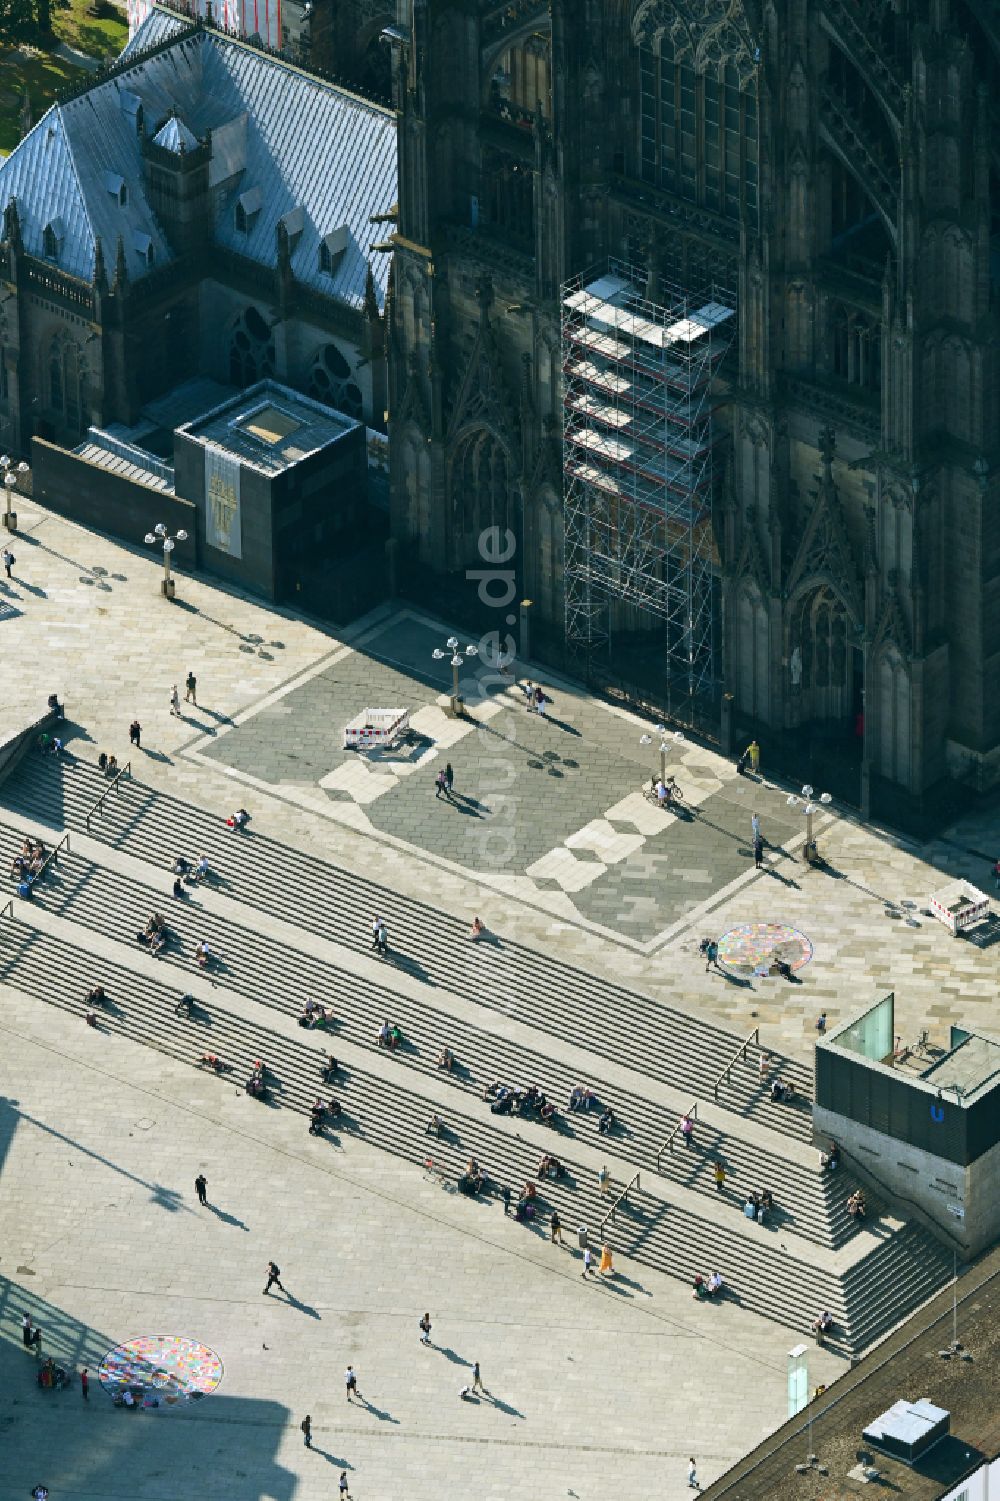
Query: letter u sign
(937, 1113)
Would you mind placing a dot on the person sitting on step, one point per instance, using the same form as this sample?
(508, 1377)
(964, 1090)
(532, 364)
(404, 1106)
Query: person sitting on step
(446, 1059)
(329, 1070)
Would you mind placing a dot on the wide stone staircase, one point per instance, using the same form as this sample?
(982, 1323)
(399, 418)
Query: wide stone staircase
(287, 926)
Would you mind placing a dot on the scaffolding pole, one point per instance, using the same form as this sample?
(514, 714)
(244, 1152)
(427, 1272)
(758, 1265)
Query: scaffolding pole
(638, 442)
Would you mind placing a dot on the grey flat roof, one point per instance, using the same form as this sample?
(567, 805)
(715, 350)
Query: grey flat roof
(300, 427)
(970, 1065)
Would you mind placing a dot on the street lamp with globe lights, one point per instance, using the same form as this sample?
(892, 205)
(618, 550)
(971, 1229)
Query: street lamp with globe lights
(457, 660)
(665, 743)
(160, 534)
(11, 479)
(810, 809)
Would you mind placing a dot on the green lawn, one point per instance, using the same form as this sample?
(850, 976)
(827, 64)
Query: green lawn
(44, 75)
(100, 38)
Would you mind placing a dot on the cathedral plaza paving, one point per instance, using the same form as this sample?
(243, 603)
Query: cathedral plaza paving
(594, 1389)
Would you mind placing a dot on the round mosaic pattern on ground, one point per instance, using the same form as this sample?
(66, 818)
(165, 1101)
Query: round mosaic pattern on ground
(168, 1369)
(754, 948)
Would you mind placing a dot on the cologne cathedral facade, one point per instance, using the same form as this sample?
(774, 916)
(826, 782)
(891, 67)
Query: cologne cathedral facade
(836, 164)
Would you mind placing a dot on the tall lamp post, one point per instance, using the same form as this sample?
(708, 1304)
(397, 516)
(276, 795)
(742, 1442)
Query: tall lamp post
(160, 534)
(10, 480)
(665, 744)
(457, 660)
(810, 809)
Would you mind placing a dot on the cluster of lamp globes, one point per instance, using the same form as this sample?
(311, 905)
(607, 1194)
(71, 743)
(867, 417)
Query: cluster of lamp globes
(661, 730)
(160, 534)
(452, 643)
(11, 472)
(808, 794)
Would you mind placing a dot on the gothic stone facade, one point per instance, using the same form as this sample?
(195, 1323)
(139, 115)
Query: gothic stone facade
(835, 162)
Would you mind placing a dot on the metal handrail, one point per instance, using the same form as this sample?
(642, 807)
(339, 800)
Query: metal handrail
(110, 788)
(741, 1052)
(634, 1182)
(52, 855)
(693, 1114)
(7, 908)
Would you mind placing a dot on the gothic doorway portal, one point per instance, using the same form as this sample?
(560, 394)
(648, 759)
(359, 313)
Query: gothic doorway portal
(820, 638)
(826, 671)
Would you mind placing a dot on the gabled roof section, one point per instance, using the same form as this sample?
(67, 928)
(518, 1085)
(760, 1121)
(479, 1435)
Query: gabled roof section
(314, 151)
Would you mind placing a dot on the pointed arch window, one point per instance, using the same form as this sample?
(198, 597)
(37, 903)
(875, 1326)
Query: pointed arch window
(251, 350)
(699, 132)
(65, 380)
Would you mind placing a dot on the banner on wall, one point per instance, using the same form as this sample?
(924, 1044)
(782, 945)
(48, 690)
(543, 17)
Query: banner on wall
(223, 521)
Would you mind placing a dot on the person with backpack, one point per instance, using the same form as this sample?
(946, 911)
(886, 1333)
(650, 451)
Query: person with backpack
(273, 1276)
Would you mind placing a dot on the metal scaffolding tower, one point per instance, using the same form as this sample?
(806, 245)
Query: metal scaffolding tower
(638, 438)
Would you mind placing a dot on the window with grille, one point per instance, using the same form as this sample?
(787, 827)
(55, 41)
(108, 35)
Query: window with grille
(699, 135)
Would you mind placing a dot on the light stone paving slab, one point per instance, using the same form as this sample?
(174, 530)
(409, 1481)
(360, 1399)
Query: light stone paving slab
(114, 648)
(594, 1391)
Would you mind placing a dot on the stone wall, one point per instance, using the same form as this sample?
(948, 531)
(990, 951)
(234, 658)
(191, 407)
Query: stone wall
(109, 502)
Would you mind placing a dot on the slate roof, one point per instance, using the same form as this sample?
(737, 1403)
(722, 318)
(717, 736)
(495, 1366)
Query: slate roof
(321, 159)
(175, 136)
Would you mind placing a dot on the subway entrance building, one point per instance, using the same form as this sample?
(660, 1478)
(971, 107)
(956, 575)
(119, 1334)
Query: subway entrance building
(923, 1122)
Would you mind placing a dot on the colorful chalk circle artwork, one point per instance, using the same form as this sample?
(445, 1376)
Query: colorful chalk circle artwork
(757, 948)
(161, 1370)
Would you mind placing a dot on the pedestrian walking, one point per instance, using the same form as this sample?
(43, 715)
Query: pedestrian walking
(191, 689)
(201, 1188)
(449, 778)
(693, 1475)
(505, 1195)
(586, 1263)
(710, 949)
(528, 689)
(604, 1180)
(26, 1332)
(273, 1276)
(754, 827)
(764, 1066)
(425, 1329)
(175, 701)
(85, 1385)
(351, 1383)
(720, 1177)
(556, 1228)
(135, 733)
(687, 1129)
(440, 785)
(753, 756)
(821, 1023)
(477, 1379)
(307, 1431)
(8, 561)
(344, 1492)
(758, 852)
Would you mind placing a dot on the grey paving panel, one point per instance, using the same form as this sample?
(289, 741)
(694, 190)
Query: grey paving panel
(679, 869)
